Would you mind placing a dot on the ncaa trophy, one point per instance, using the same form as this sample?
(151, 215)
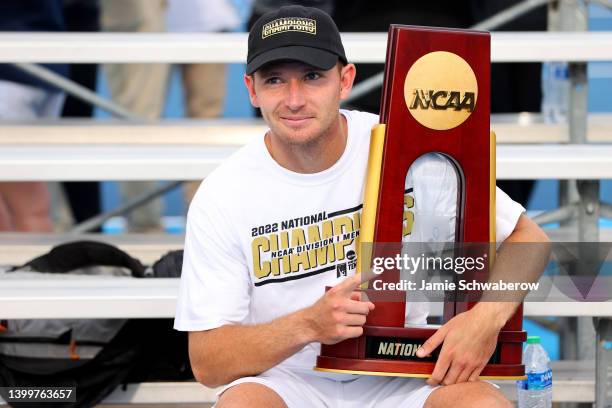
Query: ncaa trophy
(436, 99)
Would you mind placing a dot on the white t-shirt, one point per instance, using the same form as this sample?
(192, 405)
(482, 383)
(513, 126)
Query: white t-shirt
(263, 241)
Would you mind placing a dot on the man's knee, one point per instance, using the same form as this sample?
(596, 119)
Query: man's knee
(472, 394)
(492, 399)
(250, 395)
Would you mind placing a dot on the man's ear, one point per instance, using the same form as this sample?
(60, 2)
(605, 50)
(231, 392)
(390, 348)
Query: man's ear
(347, 77)
(249, 81)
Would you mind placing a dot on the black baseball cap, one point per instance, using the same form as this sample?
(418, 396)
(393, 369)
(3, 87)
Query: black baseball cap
(295, 33)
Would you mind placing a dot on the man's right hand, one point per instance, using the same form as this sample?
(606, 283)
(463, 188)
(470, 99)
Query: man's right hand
(340, 313)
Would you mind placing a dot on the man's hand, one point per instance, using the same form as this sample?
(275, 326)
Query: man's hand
(468, 341)
(340, 313)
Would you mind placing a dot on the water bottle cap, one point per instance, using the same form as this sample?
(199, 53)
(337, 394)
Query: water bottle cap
(533, 340)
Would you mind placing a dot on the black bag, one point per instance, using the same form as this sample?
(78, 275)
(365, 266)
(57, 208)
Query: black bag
(93, 355)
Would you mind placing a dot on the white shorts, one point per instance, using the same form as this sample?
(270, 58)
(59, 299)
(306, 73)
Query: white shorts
(300, 389)
(23, 102)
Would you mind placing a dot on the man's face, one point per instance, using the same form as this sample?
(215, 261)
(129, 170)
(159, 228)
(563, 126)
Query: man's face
(299, 103)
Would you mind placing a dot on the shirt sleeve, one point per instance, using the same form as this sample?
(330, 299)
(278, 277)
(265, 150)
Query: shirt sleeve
(507, 213)
(215, 284)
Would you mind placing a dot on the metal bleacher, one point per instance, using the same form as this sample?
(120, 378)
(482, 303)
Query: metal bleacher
(188, 150)
(79, 151)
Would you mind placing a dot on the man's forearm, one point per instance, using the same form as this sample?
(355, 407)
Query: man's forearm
(222, 355)
(495, 313)
(521, 258)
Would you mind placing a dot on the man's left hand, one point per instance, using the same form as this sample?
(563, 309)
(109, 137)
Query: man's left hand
(468, 341)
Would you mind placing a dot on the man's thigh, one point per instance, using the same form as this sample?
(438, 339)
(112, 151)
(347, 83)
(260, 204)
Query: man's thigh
(250, 395)
(469, 394)
(386, 392)
(279, 387)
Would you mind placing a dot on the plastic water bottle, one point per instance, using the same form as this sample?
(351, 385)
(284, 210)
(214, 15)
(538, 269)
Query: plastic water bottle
(555, 91)
(536, 390)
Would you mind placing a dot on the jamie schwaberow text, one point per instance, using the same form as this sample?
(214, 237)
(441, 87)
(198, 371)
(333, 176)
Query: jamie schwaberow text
(448, 286)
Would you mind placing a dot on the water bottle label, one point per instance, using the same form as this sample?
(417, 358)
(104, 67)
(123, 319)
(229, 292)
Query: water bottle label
(561, 72)
(537, 381)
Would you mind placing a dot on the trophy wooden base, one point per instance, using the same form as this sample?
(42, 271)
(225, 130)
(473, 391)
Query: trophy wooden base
(391, 351)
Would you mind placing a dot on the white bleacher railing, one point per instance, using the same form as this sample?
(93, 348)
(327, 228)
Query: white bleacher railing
(189, 150)
(194, 162)
(232, 47)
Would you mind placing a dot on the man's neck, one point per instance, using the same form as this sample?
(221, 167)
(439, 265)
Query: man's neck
(314, 157)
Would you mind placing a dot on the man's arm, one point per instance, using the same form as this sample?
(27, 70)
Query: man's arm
(221, 355)
(469, 338)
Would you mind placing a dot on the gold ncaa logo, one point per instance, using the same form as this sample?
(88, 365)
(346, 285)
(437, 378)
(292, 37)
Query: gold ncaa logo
(440, 90)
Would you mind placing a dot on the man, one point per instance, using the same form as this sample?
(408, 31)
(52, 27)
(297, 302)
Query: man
(26, 206)
(267, 231)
